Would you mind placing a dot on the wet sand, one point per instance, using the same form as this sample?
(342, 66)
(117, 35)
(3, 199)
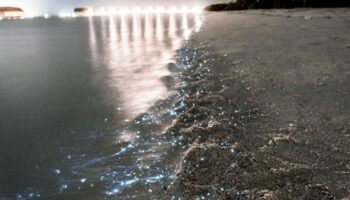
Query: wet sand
(264, 106)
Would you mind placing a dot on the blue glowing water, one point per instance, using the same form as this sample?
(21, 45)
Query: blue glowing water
(78, 102)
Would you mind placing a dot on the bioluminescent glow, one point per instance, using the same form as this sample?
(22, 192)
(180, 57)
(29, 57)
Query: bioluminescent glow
(135, 69)
(129, 58)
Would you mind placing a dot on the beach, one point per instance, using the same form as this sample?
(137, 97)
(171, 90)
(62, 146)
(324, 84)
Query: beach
(265, 106)
(232, 105)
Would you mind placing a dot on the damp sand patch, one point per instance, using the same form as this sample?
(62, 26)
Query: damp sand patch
(224, 154)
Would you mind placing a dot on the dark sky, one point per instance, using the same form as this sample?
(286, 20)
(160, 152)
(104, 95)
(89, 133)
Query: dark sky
(57, 6)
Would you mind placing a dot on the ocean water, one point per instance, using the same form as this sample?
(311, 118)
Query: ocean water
(84, 104)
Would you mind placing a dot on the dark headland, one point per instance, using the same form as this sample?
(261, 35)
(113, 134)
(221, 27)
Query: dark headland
(268, 4)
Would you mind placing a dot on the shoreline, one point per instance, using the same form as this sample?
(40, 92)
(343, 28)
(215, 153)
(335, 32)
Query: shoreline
(266, 113)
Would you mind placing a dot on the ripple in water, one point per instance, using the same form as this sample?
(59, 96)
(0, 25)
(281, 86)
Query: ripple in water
(104, 107)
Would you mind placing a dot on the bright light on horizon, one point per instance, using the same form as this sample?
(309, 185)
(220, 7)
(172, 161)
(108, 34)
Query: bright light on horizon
(105, 11)
(65, 15)
(108, 11)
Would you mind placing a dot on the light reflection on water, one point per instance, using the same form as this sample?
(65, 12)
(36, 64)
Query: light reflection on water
(136, 50)
(141, 44)
(121, 156)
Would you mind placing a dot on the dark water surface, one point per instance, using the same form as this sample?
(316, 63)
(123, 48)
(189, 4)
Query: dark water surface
(72, 92)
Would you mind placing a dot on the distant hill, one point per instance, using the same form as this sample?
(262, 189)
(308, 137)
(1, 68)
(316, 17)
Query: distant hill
(267, 4)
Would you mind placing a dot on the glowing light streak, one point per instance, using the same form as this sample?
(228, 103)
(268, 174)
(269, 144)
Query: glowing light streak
(123, 184)
(121, 151)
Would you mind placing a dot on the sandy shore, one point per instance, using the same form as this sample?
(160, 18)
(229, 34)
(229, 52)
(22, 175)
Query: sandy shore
(266, 106)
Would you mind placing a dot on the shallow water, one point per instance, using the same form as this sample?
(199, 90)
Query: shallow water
(77, 106)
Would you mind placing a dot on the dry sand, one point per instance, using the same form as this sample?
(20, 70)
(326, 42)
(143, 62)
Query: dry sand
(267, 106)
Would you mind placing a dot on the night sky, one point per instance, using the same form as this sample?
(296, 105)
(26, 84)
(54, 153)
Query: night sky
(55, 7)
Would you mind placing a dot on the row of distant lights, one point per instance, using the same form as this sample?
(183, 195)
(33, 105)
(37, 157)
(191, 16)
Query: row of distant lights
(105, 11)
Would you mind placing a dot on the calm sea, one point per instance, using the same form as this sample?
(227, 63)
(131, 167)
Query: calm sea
(78, 106)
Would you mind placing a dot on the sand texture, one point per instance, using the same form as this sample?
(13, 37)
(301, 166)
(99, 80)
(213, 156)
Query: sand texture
(264, 107)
